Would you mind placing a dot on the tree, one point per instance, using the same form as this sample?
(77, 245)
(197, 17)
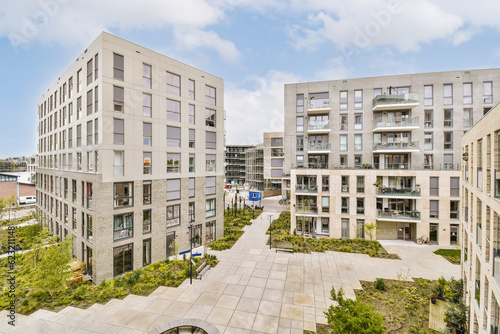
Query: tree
(371, 230)
(6, 202)
(353, 317)
(53, 270)
(36, 238)
(457, 314)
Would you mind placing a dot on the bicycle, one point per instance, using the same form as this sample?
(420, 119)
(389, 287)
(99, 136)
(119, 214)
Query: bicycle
(422, 240)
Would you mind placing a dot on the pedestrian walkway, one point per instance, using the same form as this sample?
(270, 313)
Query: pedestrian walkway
(252, 290)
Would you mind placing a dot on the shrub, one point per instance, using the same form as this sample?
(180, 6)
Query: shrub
(80, 293)
(380, 284)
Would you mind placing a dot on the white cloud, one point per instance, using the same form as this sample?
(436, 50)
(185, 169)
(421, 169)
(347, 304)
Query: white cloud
(251, 112)
(334, 70)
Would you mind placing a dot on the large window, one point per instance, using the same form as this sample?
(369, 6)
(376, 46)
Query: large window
(173, 83)
(448, 118)
(300, 103)
(192, 136)
(118, 131)
(173, 189)
(191, 187)
(210, 95)
(345, 228)
(210, 163)
(468, 93)
(454, 205)
(123, 226)
(191, 89)
(454, 186)
(191, 162)
(428, 95)
(300, 124)
(146, 105)
(173, 162)
(448, 140)
(345, 205)
(118, 66)
(210, 231)
(210, 185)
(147, 163)
(468, 117)
(146, 75)
(118, 98)
(210, 140)
(123, 257)
(487, 92)
(192, 114)
(358, 99)
(173, 110)
(118, 163)
(147, 134)
(360, 228)
(173, 136)
(146, 192)
(196, 237)
(173, 215)
(343, 122)
(434, 186)
(90, 103)
(434, 209)
(146, 221)
(358, 121)
(358, 142)
(210, 208)
(123, 194)
(171, 247)
(428, 141)
(146, 252)
(343, 100)
(210, 117)
(343, 142)
(447, 94)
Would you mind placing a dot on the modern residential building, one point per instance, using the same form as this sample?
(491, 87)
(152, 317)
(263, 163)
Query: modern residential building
(235, 164)
(381, 150)
(273, 162)
(480, 216)
(131, 151)
(254, 171)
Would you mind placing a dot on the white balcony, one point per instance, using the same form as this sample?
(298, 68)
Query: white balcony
(395, 101)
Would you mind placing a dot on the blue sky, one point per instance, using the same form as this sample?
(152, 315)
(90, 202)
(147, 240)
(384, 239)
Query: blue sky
(256, 46)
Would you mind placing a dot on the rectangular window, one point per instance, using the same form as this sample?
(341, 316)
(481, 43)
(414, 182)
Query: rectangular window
(173, 189)
(343, 100)
(454, 186)
(468, 120)
(118, 98)
(89, 193)
(447, 94)
(118, 131)
(210, 95)
(73, 219)
(358, 121)
(173, 110)
(487, 92)
(276, 142)
(210, 229)
(360, 228)
(123, 259)
(434, 186)
(173, 83)
(360, 184)
(118, 169)
(448, 141)
(191, 162)
(210, 208)
(146, 104)
(345, 228)
(300, 103)
(146, 75)
(173, 215)
(146, 192)
(89, 102)
(343, 142)
(146, 252)
(325, 204)
(78, 84)
(428, 141)
(78, 136)
(428, 95)
(210, 140)
(118, 67)
(300, 143)
(191, 187)
(89, 228)
(96, 132)
(191, 114)
(448, 118)
(360, 206)
(78, 109)
(123, 194)
(123, 226)
(147, 163)
(96, 66)
(147, 134)
(146, 221)
(191, 89)
(191, 138)
(171, 248)
(358, 99)
(74, 191)
(70, 87)
(210, 163)
(343, 122)
(433, 209)
(428, 119)
(300, 124)
(210, 117)
(191, 212)
(196, 236)
(358, 142)
(70, 137)
(89, 133)
(454, 205)
(173, 162)
(468, 93)
(173, 136)
(210, 185)
(344, 205)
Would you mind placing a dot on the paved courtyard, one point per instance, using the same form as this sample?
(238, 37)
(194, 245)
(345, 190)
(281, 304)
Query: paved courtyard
(252, 290)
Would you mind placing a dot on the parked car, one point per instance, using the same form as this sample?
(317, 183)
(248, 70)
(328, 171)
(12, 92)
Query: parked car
(27, 200)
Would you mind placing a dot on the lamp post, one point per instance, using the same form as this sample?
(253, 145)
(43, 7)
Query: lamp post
(270, 232)
(191, 251)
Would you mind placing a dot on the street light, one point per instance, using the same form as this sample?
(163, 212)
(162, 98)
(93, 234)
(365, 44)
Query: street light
(270, 232)
(191, 251)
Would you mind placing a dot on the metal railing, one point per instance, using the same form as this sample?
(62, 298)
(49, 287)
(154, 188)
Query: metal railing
(319, 147)
(397, 124)
(302, 188)
(306, 209)
(406, 98)
(319, 125)
(413, 145)
(412, 215)
(379, 166)
(387, 191)
(319, 104)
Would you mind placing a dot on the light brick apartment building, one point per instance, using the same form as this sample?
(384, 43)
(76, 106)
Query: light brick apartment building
(130, 146)
(481, 222)
(235, 164)
(382, 150)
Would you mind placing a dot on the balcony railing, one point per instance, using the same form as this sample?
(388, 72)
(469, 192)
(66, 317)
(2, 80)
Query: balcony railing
(318, 165)
(303, 188)
(319, 104)
(413, 145)
(378, 166)
(319, 147)
(386, 191)
(395, 214)
(306, 210)
(405, 123)
(319, 126)
(396, 100)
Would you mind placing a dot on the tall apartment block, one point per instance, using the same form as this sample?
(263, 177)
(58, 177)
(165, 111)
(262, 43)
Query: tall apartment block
(481, 222)
(235, 164)
(382, 150)
(254, 169)
(131, 152)
(273, 162)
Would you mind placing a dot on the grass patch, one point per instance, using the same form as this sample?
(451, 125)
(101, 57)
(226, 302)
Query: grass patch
(139, 282)
(281, 235)
(452, 255)
(233, 228)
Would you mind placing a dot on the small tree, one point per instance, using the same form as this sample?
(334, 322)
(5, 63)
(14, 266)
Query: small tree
(457, 314)
(353, 317)
(6, 202)
(371, 230)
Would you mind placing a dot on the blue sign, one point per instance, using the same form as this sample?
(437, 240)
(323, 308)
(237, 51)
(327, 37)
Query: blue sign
(254, 196)
(185, 252)
(196, 254)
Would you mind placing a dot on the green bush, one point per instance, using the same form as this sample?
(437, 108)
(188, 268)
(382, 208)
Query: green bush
(80, 293)
(380, 284)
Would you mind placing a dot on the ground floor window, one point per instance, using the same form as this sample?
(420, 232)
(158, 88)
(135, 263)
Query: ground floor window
(325, 225)
(196, 236)
(146, 252)
(360, 228)
(433, 233)
(90, 261)
(171, 244)
(454, 234)
(345, 228)
(123, 259)
(210, 228)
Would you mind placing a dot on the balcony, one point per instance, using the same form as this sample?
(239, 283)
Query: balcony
(319, 148)
(319, 127)
(402, 125)
(306, 210)
(398, 192)
(318, 165)
(396, 147)
(395, 101)
(318, 106)
(305, 189)
(400, 216)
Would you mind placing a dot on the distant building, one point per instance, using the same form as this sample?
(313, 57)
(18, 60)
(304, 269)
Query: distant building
(235, 164)
(480, 216)
(254, 171)
(273, 163)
